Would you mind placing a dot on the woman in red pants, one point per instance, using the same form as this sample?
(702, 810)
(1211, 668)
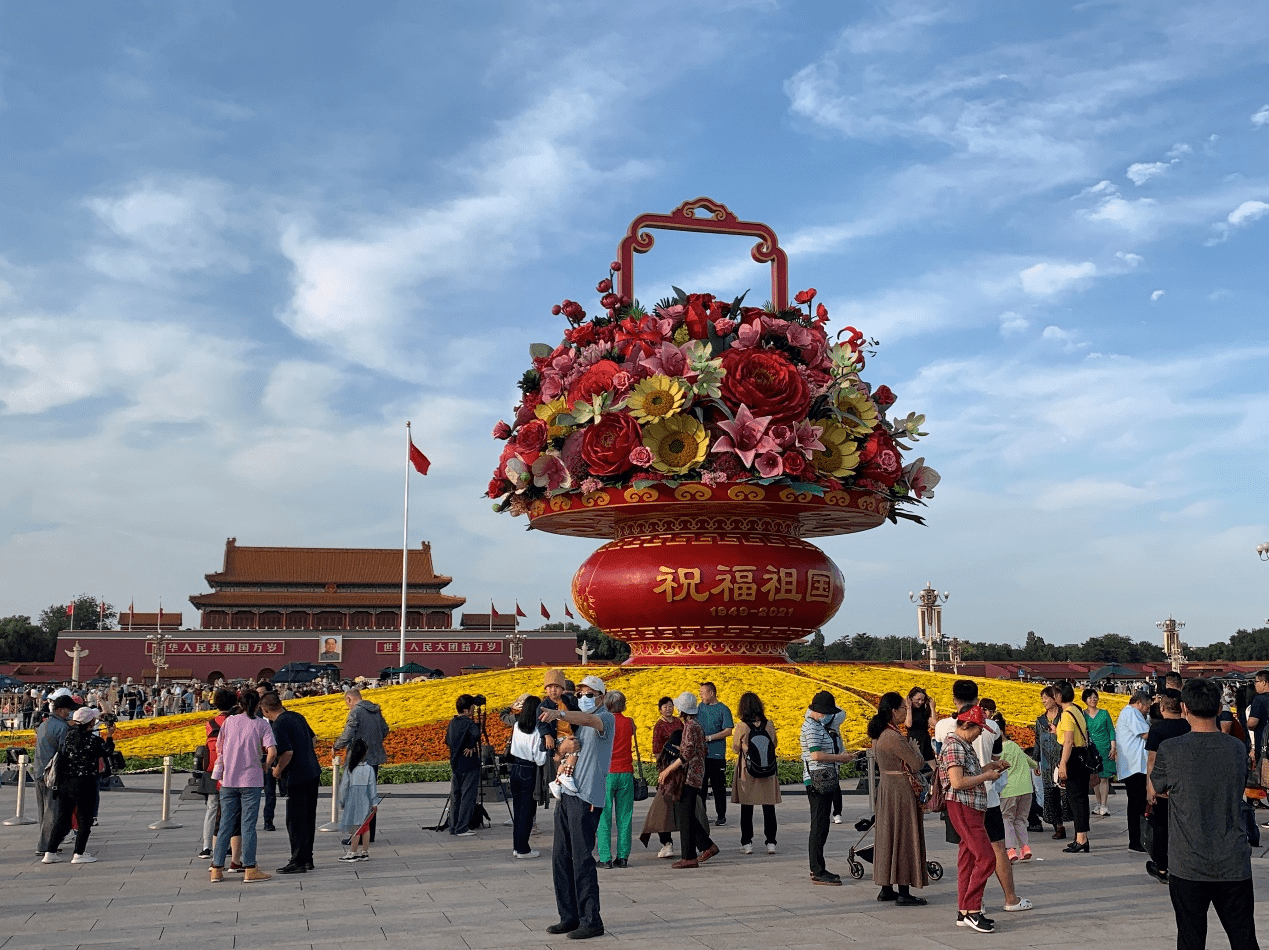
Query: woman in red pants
(966, 789)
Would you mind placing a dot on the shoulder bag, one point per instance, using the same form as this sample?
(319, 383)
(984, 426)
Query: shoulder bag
(1092, 758)
(640, 783)
(51, 775)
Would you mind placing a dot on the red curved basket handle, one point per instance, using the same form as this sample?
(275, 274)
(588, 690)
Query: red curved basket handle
(720, 220)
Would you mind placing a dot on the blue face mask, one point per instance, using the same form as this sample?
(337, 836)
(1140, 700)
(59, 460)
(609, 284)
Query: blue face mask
(586, 703)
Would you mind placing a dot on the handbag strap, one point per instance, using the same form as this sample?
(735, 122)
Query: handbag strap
(634, 732)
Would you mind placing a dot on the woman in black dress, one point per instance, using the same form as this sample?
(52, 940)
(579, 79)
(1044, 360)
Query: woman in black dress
(920, 712)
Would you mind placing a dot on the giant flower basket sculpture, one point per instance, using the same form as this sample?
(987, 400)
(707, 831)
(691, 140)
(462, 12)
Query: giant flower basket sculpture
(708, 440)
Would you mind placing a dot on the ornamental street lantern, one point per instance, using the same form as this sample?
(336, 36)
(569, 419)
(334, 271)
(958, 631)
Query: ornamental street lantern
(158, 650)
(930, 619)
(1172, 641)
(706, 441)
(954, 654)
(515, 648)
(1263, 551)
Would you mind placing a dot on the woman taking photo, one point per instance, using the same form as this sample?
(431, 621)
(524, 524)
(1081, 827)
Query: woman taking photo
(899, 854)
(1056, 810)
(526, 755)
(748, 790)
(1101, 730)
(966, 788)
(1072, 774)
(917, 722)
(79, 763)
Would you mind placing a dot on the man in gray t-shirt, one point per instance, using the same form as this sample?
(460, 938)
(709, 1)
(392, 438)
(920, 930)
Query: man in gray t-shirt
(1204, 774)
(577, 815)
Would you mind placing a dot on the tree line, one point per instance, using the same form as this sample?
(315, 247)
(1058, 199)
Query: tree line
(1245, 645)
(22, 641)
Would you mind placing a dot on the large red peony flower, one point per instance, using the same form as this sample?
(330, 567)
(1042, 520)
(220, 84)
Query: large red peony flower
(530, 438)
(606, 445)
(595, 380)
(879, 459)
(767, 382)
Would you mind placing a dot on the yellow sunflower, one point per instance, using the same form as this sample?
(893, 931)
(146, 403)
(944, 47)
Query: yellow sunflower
(841, 453)
(657, 397)
(859, 413)
(548, 411)
(677, 444)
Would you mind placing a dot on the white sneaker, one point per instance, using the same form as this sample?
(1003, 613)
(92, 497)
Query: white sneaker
(84, 858)
(667, 851)
(508, 823)
(348, 857)
(837, 819)
(555, 789)
(567, 783)
(527, 854)
(746, 849)
(771, 849)
(466, 834)
(50, 857)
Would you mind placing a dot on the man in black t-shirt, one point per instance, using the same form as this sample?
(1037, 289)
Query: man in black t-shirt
(463, 739)
(1258, 715)
(295, 765)
(1170, 726)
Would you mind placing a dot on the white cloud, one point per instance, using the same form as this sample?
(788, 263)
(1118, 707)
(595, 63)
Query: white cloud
(1261, 117)
(1085, 493)
(1068, 340)
(1156, 295)
(1141, 172)
(1247, 212)
(1132, 260)
(1012, 323)
(1179, 151)
(1129, 214)
(1048, 278)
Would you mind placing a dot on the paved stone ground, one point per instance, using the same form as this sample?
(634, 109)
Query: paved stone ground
(424, 890)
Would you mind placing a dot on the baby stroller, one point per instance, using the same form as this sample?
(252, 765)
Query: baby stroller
(858, 854)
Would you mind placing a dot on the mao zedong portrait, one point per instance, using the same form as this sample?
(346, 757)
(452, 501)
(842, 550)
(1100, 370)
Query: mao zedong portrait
(331, 652)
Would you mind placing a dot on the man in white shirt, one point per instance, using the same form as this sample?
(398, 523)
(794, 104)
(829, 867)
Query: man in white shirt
(965, 693)
(1131, 729)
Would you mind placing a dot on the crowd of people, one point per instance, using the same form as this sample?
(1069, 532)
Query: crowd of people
(1189, 757)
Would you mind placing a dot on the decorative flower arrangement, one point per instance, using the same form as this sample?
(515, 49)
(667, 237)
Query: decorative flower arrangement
(701, 390)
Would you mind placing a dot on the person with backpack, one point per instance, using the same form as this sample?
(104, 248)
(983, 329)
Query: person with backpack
(756, 781)
(80, 760)
(899, 851)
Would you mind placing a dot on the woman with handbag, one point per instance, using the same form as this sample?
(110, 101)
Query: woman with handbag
(1073, 769)
(899, 851)
(1101, 732)
(1056, 810)
(619, 802)
(747, 788)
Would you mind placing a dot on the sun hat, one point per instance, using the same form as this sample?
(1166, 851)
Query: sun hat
(554, 678)
(85, 714)
(972, 714)
(687, 703)
(595, 683)
(823, 702)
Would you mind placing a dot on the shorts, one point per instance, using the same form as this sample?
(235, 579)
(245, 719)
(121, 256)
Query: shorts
(994, 822)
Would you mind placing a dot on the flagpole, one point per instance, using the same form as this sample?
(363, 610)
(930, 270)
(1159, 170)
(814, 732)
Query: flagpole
(405, 551)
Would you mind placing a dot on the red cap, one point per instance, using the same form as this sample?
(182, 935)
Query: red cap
(972, 714)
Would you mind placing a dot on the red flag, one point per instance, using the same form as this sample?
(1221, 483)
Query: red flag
(545, 612)
(493, 611)
(70, 610)
(568, 613)
(519, 612)
(418, 459)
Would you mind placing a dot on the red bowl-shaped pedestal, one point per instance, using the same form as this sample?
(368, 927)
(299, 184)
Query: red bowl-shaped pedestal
(700, 575)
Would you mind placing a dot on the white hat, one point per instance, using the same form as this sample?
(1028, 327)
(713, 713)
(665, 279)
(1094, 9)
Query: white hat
(85, 714)
(595, 683)
(686, 703)
(63, 691)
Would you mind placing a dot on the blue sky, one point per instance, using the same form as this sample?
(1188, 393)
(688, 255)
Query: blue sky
(240, 244)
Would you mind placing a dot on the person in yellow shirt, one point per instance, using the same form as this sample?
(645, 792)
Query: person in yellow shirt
(1072, 773)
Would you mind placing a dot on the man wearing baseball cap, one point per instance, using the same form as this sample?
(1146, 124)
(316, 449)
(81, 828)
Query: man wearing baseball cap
(822, 752)
(577, 814)
(78, 765)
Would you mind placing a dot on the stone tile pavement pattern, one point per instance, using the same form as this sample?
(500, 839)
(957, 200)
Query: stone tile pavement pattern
(423, 890)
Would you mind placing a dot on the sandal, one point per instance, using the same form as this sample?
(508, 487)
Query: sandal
(1023, 904)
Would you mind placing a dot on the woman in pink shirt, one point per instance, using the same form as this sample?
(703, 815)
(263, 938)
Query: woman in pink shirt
(240, 747)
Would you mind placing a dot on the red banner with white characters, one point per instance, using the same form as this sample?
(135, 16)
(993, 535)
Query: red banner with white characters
(222, 647)
(393, 647)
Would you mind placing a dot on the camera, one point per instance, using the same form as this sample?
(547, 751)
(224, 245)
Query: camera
(479, 700)
(109, 719)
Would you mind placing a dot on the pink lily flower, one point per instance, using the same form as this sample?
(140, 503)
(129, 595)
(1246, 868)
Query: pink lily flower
(746, 436)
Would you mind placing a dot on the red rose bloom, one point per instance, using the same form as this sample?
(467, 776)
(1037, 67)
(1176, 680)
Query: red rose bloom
(606, 446)
(498, 486)
(767, 382)
(597, 379)
(582, 336)
(804, 296)
(879, 459)
(883, 397)
(531, 437)
(794, 463)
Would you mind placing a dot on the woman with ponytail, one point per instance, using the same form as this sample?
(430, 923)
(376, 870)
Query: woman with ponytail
(899, 858)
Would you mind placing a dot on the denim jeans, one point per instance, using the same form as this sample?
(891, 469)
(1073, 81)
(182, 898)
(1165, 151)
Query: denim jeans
(238, 803)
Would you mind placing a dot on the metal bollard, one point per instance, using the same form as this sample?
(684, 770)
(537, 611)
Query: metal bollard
(333, 824)
(20, 817)
(166, 821)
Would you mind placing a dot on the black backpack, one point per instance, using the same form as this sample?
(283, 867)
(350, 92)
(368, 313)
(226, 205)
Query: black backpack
(760, 758)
